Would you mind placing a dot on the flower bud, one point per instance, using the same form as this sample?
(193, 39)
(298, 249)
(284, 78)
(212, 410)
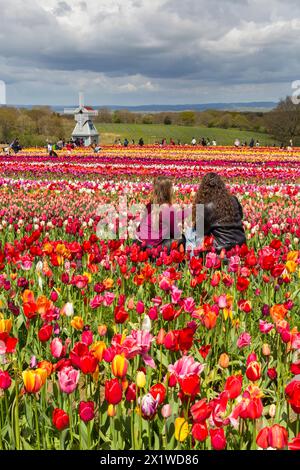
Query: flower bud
(266, 349)
(272, 410)
(166, 411)
(224, 361)
(140, 379)
(111, 411)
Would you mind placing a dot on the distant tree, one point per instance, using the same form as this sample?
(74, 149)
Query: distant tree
(284, 121)
(167, 120)
(104, 115)
(147, 119)
(187, 118)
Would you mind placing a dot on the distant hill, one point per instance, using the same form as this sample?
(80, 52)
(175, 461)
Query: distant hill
(156, 108)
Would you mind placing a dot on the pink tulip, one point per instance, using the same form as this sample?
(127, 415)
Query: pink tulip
(68, 379)
(265, 327)
(56, 347)
(244, 340)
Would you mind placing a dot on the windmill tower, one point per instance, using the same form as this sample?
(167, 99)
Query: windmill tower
(84, 128)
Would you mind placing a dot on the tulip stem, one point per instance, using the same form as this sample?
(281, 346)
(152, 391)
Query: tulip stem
(71, 420)
(1, 424)
(132, 426)
(16, 411)
(36, 424)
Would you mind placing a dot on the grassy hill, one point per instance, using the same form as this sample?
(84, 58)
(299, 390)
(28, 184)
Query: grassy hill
(154, 132)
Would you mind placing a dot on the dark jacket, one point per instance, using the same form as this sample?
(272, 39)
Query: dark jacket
(226, 235)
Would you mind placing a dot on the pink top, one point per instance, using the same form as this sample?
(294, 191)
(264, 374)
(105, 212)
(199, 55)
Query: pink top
(159, 224)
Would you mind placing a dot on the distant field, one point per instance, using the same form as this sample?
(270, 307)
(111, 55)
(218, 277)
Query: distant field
(154, 132)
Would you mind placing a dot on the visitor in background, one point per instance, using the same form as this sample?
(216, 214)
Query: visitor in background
(126, 142)
(237, 143)
(203, 142)
(214, 143)
(194, 141)
(221, 216)
(251, 143)
(141, 142)
(257, 143)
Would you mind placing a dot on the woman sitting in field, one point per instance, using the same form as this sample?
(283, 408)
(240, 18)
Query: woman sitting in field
(161, 224)
(216, 212)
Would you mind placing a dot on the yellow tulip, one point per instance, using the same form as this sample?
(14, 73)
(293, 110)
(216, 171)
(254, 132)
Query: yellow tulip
(291, 266)
(140, 379)
(292, 256)
(5, 325)
(181, 429)
(89, 276)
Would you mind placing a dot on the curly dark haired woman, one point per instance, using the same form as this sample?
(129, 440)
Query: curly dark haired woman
(222, 215)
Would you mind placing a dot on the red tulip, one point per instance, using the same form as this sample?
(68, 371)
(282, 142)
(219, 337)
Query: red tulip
(120, 315)
(233, 386)
(275, 436)
(218, 439)
(5, 380)
(45, 333)
(130, 393)
(262, 438)
(295, 443)
(60, 419)
(86, 410)
(88, 363)
(199, 431)
(158, 389)
(292, 391)
(278, 437)
(190, 386)
(253, 371)
(113, 391)
(242, 284)
(201, 410)
(272, 373)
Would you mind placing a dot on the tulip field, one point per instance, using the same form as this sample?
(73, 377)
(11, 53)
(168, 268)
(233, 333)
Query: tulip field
(106, 346)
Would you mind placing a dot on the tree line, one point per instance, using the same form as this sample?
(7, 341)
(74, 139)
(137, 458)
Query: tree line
(40, 124)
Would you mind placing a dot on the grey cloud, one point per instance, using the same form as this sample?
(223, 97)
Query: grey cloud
(62, 8)
(176, 46)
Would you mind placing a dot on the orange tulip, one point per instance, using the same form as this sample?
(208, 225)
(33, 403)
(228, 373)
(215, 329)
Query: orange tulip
(97, 349)
(119, 365)
(278, 312)
(28, 296)
(5, 325)
(34, 379)
(77, 323)
(210, 319)
(43, 304)
(108, 283)
(47, 248)
(48, 366)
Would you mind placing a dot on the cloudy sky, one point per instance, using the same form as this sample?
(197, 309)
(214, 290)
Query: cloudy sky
(148, 51)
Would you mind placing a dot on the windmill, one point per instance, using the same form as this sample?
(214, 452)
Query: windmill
(84, 129)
